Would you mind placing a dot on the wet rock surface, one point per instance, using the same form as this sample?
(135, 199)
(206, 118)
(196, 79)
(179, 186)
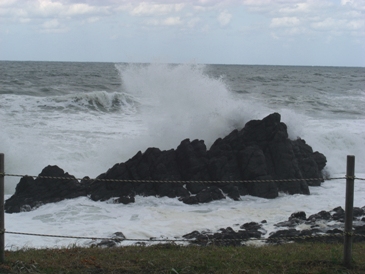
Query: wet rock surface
(324, 226)
(227, 236)
(260, 152)
(30, 193)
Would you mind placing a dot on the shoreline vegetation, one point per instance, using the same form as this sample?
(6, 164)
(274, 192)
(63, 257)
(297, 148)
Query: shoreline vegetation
(171, 258)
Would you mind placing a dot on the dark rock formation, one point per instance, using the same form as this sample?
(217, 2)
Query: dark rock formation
(260, 152)
(227, 236)
(31, 193)
(324, 226)
(319, 229)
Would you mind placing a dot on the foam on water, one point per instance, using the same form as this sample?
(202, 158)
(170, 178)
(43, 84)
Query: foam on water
(164, 217)
(85, 133)
(69, 130)
(158, 105)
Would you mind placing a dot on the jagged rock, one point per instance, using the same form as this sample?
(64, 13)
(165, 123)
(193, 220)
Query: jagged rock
(320, 228)
(226, 236)
(260, 153)
(30, 193)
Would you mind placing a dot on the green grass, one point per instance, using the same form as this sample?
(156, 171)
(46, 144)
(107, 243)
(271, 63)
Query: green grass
(173, 259)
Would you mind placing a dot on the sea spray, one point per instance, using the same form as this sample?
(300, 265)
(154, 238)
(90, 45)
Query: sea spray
(88, 127)
(65, 116)
(182, 101)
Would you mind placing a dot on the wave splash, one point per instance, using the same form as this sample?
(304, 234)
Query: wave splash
(156, 105)
(182, 101)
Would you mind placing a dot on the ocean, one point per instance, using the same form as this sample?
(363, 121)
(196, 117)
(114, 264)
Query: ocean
(85, 117)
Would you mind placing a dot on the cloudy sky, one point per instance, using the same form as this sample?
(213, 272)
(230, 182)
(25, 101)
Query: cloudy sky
(273, 32)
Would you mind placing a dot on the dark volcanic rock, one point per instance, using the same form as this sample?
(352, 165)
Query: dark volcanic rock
(260, 153)
(226, 236)
(319, 229)
(31, 193)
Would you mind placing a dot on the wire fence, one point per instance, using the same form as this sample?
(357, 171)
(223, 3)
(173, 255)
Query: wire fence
(211, 240)
(205, 239)
(178, 181)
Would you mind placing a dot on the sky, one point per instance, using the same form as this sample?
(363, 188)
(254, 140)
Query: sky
(265, 32)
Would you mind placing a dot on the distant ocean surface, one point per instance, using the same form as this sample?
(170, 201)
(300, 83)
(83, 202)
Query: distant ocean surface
(85, 117)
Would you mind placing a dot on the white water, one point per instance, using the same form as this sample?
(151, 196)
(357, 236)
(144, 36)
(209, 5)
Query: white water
(163, 217)
(159, 105)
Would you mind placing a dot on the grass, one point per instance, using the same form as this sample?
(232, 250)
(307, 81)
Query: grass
(173, 259)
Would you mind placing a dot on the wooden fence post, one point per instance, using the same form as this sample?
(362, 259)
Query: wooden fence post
(349, 209)
(2, 219)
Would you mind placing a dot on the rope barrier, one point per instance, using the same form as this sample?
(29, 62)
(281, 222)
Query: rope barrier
(304, 237)
(173, 181)
(57, 236)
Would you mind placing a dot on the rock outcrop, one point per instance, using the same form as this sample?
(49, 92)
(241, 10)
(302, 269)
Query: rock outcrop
(260, 153)
(31, 193)
(324, 226)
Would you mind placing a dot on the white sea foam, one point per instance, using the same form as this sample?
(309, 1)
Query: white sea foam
(181, 102)
(160, 105)
(164, 217)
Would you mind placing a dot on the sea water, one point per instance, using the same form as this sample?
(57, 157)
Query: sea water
(85, 117)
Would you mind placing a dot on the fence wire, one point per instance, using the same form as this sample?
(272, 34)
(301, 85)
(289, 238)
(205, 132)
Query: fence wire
(193, 240)
(177, 181)
(207, 239)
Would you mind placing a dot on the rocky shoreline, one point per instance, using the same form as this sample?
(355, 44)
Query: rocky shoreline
(261, 153)
(324, 226)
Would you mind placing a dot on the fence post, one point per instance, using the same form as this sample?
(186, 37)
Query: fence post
(2, 219)
(349, 209)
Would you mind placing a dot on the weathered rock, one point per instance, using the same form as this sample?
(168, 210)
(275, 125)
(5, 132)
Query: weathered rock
(310, 163)
(321, 227)
(226, 236)
(261, 151)
(339, 214)
(298, 215)
(260, 154)
(322, 215)
(31, 193)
